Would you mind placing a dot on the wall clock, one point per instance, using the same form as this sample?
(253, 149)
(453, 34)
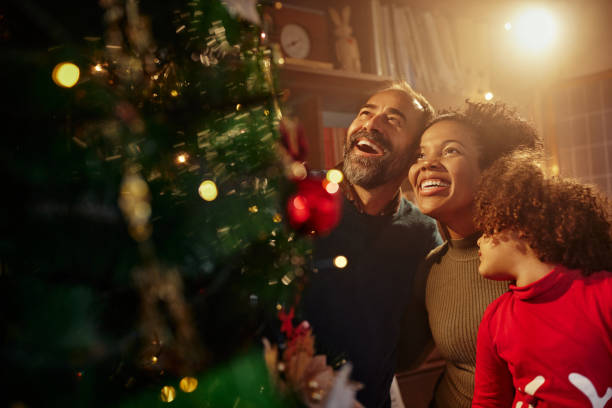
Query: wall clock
(295, 41)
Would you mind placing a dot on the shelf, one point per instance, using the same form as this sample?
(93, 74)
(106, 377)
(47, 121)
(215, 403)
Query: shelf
(339, 91)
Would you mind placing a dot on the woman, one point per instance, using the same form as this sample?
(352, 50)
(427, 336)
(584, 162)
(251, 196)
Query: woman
(451, 296)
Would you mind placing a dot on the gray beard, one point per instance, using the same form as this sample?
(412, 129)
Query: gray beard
(371, 172)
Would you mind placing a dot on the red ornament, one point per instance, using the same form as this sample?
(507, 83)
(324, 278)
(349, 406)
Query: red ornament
(315, 207)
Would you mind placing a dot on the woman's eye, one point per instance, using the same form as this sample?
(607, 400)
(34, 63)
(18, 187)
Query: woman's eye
(419, 155)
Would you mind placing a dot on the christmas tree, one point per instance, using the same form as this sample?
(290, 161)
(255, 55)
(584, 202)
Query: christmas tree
(144, 242)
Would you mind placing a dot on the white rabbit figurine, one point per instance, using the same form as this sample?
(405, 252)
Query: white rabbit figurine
(347, 50)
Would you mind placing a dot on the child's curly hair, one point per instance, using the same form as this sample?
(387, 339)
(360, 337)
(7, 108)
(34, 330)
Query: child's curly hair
(498, 129)
(563, 221)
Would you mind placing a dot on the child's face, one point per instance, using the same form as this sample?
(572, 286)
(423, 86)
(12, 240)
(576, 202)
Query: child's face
(498, 253)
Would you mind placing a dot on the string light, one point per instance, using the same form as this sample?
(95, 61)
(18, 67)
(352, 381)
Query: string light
(208, 190)
(181, 158)
(66, 74)
(340, 261)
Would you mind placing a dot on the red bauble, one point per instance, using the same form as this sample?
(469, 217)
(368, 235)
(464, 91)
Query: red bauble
(313, 209)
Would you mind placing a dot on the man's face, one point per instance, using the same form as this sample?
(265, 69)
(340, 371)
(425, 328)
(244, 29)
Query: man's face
(378, 143)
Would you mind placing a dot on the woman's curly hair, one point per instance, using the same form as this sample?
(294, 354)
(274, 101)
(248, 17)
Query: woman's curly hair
(565, 222)
(498, 129)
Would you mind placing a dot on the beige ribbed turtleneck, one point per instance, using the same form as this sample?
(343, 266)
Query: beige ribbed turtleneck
(456, 298)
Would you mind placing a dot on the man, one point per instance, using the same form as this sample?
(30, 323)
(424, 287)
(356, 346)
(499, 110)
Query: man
(355, 311)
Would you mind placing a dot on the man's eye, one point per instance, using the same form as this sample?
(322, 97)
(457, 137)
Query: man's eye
(451, 150)
(420, 155)
(393, 119)
(364, 114)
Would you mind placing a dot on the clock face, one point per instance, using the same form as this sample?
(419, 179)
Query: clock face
(295, 41)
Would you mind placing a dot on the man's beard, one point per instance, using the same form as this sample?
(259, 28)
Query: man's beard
(371, 172)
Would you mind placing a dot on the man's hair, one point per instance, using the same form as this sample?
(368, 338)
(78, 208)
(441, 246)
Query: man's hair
(498, 129)
(418, 100)
(563, 221)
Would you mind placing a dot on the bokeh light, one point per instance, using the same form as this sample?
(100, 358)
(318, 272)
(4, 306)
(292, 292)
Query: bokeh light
(508, 26)
(168, 393)
(335, 176)
(188, 384)
(66, 74)
(488, 96)
(330, 187)
(208, 190)
(181, 158)
(340, 261)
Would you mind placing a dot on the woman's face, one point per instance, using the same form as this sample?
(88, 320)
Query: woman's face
(445, 174)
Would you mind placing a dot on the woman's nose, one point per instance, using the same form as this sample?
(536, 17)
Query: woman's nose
(430, 163)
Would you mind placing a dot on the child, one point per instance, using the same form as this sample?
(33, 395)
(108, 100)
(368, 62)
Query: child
(548, 340)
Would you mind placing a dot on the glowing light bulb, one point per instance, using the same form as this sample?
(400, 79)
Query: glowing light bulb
(208, 190)
(98, 68)
(181, 158)
(174, 93)
(263, 35)
(535, 29)
(335, 176)
(66, 74)
(488, 96)
(340, 261)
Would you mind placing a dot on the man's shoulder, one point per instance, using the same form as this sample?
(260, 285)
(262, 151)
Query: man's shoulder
(409, 214)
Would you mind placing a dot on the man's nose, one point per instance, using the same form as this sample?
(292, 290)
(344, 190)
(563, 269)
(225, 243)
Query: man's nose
(374, 123)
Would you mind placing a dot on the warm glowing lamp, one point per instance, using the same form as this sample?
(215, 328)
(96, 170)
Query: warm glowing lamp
(488, 96)
(536, 29)
(66, 74)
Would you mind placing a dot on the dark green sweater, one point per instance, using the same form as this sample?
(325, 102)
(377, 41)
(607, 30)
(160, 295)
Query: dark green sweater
(356, 312)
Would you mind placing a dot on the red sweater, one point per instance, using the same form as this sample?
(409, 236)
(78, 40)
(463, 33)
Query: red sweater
(548, 344)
